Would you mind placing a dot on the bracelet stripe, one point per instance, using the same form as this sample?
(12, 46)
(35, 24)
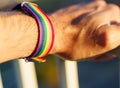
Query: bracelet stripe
(45, 32)
(46, 36)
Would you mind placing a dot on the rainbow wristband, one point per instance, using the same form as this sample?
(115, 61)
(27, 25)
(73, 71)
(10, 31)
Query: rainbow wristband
(45, 31)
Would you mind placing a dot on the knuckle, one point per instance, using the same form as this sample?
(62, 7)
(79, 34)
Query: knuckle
(110, 43)
(100, 2)
(108, 40)
(102, 36)
(113, 7)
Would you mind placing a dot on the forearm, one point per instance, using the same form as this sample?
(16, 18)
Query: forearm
(18, 35)
(22, 33)
(78, 30)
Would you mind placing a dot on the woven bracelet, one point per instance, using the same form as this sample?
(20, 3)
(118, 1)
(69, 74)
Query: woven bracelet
(45, 31)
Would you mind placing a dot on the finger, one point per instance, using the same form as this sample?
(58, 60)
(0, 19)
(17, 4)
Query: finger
(103, 17)
(115, 51)
(104, 57)
(108, 14)
(87, 8)
(113, 11)
(95, 4)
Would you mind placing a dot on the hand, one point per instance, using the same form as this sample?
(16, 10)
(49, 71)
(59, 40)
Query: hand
(87, 31)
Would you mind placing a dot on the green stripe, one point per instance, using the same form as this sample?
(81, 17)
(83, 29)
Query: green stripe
(44, 28)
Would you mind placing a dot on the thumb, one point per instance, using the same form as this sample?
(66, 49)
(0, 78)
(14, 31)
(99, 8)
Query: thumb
(104, 57)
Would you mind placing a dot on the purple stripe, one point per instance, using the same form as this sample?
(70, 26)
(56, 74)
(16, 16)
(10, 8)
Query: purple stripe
(40, 31)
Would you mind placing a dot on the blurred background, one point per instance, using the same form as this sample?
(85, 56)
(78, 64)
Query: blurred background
(91, 74)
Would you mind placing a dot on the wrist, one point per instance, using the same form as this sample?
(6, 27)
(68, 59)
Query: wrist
(57, 32)
(45, 31)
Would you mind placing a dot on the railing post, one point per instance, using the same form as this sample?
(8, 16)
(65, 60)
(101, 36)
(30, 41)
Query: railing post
(68, 74)
(119, 70)
(71, 71)
(28, 74)
(1, 85)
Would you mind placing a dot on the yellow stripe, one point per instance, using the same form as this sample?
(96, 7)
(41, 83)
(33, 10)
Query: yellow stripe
(49, 32)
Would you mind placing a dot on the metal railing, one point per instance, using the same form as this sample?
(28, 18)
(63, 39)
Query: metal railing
(68, 74)
(26, 74)
(1, 85)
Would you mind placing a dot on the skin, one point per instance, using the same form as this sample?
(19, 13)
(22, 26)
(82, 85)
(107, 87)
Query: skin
(88, 32)
(81, 32)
